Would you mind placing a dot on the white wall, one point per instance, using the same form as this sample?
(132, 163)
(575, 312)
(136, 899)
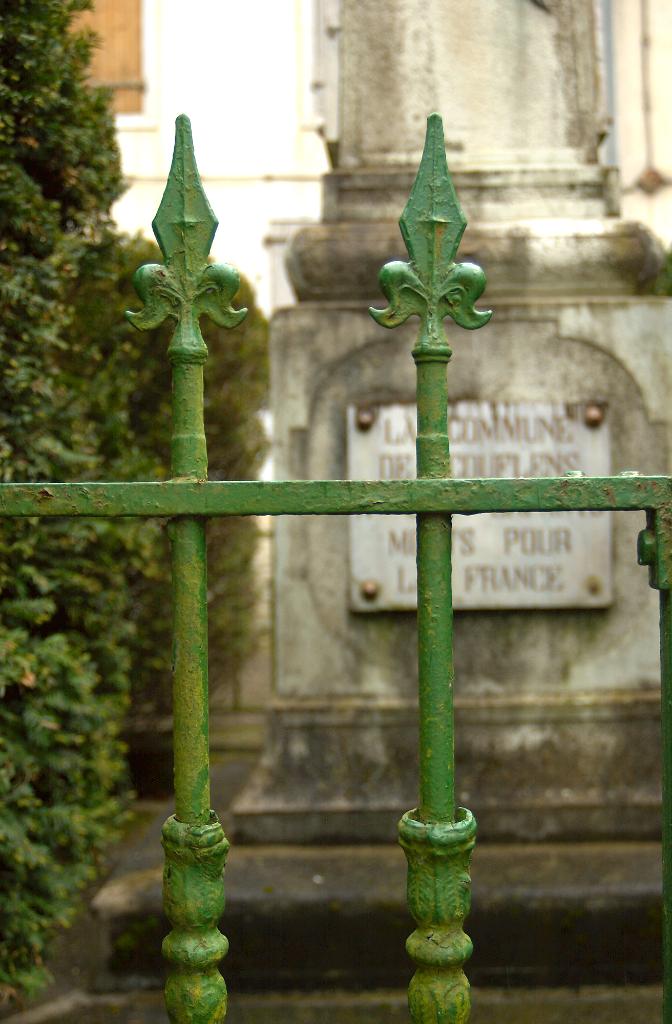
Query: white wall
(639, 130)
(241, 71)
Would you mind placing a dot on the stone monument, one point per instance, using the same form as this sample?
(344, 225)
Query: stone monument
(557, 680)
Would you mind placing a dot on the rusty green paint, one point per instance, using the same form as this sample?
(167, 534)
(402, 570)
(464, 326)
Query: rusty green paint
(439, 897)
(663, 527)
(183, 289)
(335, 497)
(190, 671)
(193, 897)
(654, 549)
(433, 287)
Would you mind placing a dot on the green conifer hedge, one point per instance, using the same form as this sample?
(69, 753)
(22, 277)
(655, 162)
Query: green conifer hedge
(82, 396)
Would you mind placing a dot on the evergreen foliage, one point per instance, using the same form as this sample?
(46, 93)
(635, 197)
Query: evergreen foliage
(82, 396)
(62, 595)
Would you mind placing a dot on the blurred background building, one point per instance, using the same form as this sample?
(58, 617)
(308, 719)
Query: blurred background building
(260, 83)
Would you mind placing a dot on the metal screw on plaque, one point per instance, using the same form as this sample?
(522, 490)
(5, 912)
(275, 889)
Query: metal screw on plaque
(365, 418)
(369, 590)
(594, 585)
(593, 414)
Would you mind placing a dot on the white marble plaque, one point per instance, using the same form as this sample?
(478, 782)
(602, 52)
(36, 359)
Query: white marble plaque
(500, 560)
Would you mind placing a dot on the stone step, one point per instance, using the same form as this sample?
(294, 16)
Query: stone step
(596, 1005)
(306, 918)
(320, 917)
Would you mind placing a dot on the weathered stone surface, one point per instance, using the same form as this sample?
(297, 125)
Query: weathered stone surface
(566, 766)
(519, 83)
(557, 713)
(554, 257)
(627, 1005)
(502, 192)
(321, 917)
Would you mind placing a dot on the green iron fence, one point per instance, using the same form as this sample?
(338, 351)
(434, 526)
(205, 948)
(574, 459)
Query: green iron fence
(437, 837)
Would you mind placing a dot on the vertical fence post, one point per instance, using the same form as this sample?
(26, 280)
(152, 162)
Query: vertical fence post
(195, 846)
(666, 716)
(436, 839)
(655, 550)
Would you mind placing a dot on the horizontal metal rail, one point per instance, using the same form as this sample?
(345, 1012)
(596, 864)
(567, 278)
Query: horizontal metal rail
(336, 497)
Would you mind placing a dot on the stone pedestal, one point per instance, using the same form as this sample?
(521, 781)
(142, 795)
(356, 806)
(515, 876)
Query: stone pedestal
(557, 713)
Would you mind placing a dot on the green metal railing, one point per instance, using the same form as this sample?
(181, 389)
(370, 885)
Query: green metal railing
(437, 837)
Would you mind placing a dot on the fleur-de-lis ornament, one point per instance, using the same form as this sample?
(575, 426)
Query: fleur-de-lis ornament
(432, 285)
(183, 289)
(187, 286)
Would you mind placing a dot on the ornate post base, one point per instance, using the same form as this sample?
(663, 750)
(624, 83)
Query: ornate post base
(193, 899)
(439, 897)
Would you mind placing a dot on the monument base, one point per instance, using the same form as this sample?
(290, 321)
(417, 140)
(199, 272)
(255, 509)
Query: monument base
(557, 718)
(540, 767)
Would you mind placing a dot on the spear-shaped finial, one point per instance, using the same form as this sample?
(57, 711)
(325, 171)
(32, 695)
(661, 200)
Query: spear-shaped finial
(187, 286)
(432, 285)
(184, 225)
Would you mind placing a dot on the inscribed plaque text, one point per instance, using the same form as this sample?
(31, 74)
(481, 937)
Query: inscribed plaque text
(500, 560)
